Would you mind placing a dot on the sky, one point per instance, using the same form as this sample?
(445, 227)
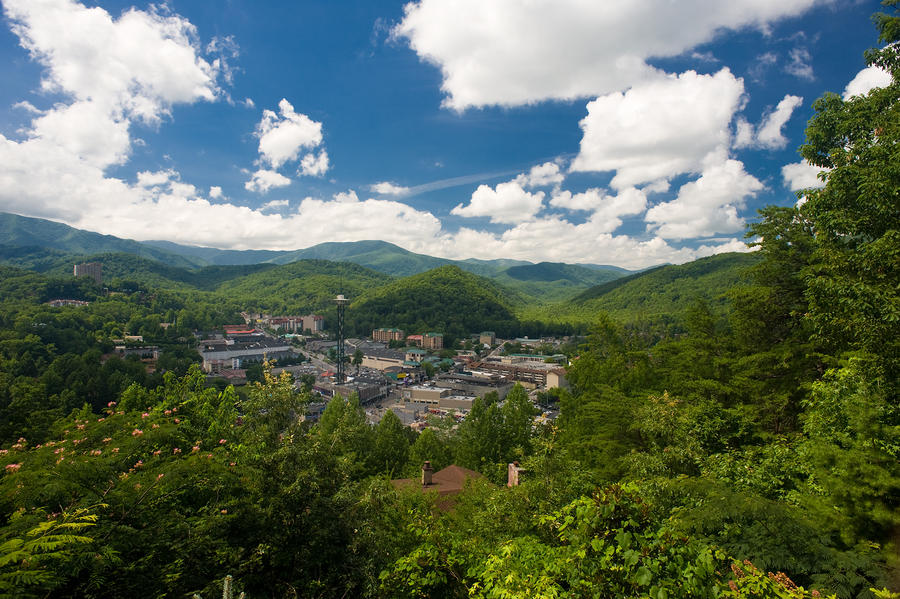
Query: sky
(629, 133)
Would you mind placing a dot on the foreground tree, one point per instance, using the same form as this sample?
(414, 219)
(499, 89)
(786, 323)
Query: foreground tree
(853, 293)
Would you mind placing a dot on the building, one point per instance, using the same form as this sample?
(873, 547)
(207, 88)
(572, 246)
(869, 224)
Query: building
(240, 329)
(433, 341)
(424, 394)
(93, 270)
(474, 386)
(385, 335)
(415, 354)
(415, 340)
(366, 389)
(312, 323)
(445, 483)
(487, 338)
(143, 352)
(382, 359)
(288, 324)
(529, 373)
(63, 303)
(229, 354)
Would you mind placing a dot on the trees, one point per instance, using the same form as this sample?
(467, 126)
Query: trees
(492, 435)
(391, 450)
(853, 293)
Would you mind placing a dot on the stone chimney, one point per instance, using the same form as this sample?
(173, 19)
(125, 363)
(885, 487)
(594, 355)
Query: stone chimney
(512, 474)
(427, 471)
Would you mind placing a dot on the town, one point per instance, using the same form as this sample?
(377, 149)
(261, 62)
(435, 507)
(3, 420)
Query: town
(412, 375)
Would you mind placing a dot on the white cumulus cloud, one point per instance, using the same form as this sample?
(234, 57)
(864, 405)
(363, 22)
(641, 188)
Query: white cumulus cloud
(708, 205)
(508, 52)
(541, 175)
(506, 203)
(126, 65)
(314, 165)
(282, 137)
(801, 175)
(607, 210)
(660, 128)
(272, 205)
(768, 135)
(867, 80)
(386, 188)
(263, 180)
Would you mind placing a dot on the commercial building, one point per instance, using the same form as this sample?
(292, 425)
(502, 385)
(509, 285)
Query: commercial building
(312, 323)
(93, 270)
(386, 335)
(381, 359)
(475, 386)
(433, 341)
(63, 303)
(529, 373)
(221, 355)
(144, 352)
(366, 389)
(487, 338)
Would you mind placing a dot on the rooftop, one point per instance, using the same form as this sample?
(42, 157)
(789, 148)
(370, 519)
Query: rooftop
(449, 481)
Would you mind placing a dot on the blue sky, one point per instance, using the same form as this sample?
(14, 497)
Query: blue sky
(631, 133)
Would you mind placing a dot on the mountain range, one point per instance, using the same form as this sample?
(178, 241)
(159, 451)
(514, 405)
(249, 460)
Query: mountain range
(47, 246)
(388, 284)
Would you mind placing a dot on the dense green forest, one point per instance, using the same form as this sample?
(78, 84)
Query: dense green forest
(445, 299)
(750, 447)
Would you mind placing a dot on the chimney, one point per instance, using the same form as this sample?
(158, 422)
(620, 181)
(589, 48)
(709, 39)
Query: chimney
(512, 474)
(427, 471)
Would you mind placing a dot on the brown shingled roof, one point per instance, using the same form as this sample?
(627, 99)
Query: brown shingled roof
(448, 481)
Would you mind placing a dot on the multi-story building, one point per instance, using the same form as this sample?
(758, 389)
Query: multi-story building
(487, 338)
(90, 269)
(530, 373)
(62, 303)
(386, 335)
(433, 341)
(313, 323)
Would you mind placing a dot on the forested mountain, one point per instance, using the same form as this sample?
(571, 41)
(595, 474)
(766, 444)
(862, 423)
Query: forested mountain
(446, 299)
(21, 231)
(549, 281)
(657, 293)
(44, 245)
(303, 286)
(668, 289)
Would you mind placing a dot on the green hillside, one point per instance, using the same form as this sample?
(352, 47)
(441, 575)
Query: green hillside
(21, 231)
(553, 281)
(378, 255)
(216, 256)
(46, 246)
(654, 293)
(302, 286)
(38, 259)
(446, 299)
